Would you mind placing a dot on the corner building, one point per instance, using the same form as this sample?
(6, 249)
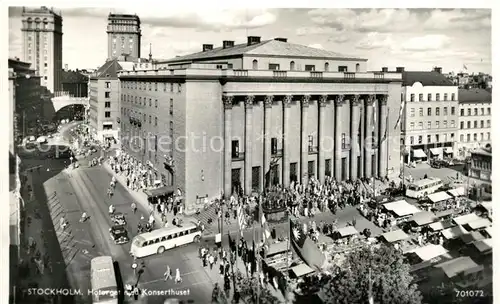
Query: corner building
(246, 116)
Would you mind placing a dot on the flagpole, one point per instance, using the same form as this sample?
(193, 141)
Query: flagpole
(387, 141)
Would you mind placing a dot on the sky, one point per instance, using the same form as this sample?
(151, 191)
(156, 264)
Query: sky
(417, 39)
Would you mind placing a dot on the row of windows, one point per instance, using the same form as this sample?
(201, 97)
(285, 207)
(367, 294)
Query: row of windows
(429, 138)
(129, 112)
(429, 125)
(481, 125)
(429, 97)
(144, 101)
(476, 111)
(429, 111)
(307, 67)
(149, 86)
(481, 164)
(474, 138)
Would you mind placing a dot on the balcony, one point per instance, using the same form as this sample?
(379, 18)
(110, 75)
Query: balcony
(238, 156)
(194, 70)
(313, 149)
(277, 152)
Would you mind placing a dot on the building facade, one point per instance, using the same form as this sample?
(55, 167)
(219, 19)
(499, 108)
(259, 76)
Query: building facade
(31, 100)
(12, 108)
(75, 83)
(104, 101)
(430, 123)
(124, 35)
(480, 165)
(42, 45)
(246, 116)
(474, 121)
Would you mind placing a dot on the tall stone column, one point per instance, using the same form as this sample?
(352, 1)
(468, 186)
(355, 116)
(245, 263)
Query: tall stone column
(354, 137)
(383, 135)
(303, 139)
(321, 141)
(268, 102)
(286, 140)
(248, 143)
(368, 135)
(339, 101)
(362, 142)
(228, 105)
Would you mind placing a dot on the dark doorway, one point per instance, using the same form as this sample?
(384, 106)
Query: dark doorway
(374, 165)
(256, 179)
(236, 180)
(310, 169)
(275, 178)
(328, 167)
(293, 172)
(344, 168)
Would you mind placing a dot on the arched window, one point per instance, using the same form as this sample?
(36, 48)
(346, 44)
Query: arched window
(357, 67)
(292, 65)
(327, 66)
(255, 64)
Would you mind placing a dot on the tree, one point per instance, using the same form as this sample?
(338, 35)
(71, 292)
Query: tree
(382, 267)
(248, 288)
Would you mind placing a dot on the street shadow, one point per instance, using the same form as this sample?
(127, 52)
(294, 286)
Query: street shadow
(119, 283)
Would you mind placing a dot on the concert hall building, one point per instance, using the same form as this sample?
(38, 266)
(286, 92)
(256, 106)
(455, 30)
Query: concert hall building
(244, 116)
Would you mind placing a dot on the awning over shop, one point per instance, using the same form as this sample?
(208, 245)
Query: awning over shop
(484, 245)
(107, 123)
(448, 150)
(472, 237)
(419, 153)
(453, 232)
(465, 219)
(401, 208)
(441, 225)
(394, 236)
(459, 191)
(445, 213)
(429, 252)
(438, 196)
(159, 191)
(301, 270)
(489, 230)
(435, 151)
(488, 206)
(423, 218)
(482, 223)
(347, 231)
(276, 248)
(456, 266)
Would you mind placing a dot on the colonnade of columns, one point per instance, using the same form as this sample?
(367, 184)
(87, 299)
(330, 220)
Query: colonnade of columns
(363, 125)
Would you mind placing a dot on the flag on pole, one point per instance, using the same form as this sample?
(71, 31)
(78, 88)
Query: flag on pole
(401, 109)
(374, 119)
(241, 217)
(386, 122)
(465, 67)
(263, 223)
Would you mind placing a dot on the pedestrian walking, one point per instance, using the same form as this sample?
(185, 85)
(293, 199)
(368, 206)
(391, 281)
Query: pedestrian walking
(168, 273)
(134, 207)
(211, 260)
(178, 278)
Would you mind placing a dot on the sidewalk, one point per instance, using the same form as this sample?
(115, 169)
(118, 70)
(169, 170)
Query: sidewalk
(29, 273)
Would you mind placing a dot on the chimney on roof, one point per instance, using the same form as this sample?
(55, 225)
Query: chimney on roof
(208, 47)
(66, 67)
(281, 39)
(385, 69)
(438, 69)
(227, 44)
(253, 40)
(400, 69)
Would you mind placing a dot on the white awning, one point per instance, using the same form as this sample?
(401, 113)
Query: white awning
(394, 236)
(419, 153)
(435, 151)
(438, 197)
(401, 208)
(484, 245)
(107, 123)
(456, 266)
(482, 223)
(453, 232)
(460, 191)
(347, 231)
(301, 270)
(428, 252)
(448, 150)
(465, 219)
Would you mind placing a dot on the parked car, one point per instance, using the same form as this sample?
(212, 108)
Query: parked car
(119, 234)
